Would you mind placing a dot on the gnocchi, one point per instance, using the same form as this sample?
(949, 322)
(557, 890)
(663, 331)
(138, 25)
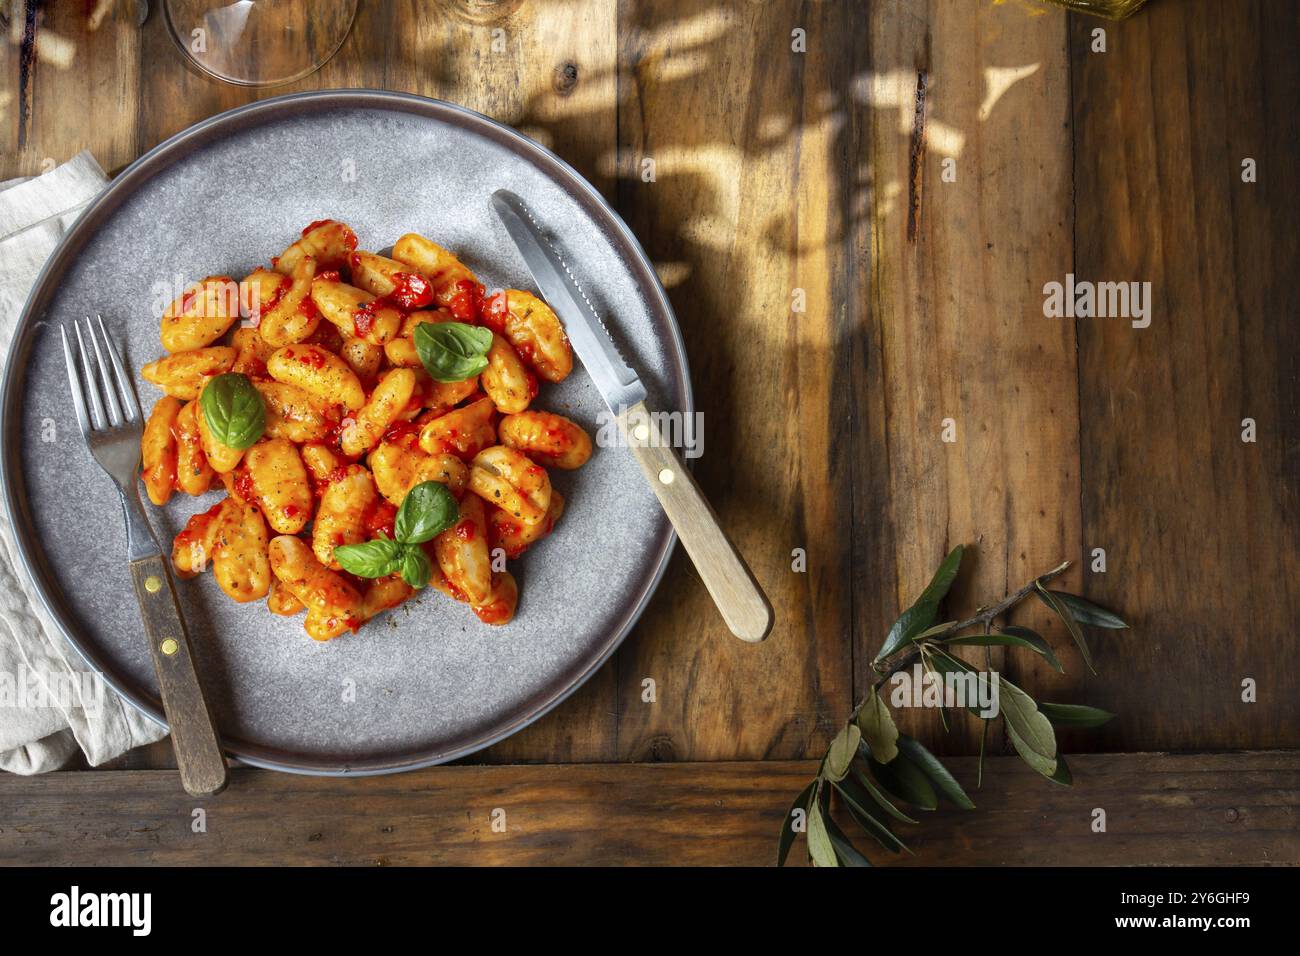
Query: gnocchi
(331, 418)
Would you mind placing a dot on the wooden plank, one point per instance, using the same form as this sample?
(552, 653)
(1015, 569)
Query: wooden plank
(955, 324)
(61, 78)
(1239, 808)
(1199, 527)
(737, 215)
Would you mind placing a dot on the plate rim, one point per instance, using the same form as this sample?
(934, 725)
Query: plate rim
(126, 184)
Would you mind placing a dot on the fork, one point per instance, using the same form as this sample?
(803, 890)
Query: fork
(112, 429)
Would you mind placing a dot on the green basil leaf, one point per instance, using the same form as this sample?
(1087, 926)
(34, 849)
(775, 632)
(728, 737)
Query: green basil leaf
(233, 410)
(930, 765)
(370, 559)
(416, 569)
(788, 832)
(1094, 615)
(1075, 715)
(921, 615)
(452, 351)
(427, 510)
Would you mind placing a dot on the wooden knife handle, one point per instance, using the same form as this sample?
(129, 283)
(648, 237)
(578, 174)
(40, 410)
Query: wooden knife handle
(728, 579)
(194, 738)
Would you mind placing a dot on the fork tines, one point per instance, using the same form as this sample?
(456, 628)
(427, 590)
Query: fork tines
(118, 397)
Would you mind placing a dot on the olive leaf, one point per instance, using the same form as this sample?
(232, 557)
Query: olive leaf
(787, 828)
(860, 809)
(845, 851)
(1023, 637)
(1031, 733)
(922, 614)
(233, 410)
(1058, 607)
(862, 777)
(936, 771)
(1074, 715)
(842, 750)
(1062, 774)
(878, 728)
(1085, 612)
(905, 780)
(820, 847)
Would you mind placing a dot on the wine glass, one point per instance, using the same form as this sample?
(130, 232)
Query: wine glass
(259, 42)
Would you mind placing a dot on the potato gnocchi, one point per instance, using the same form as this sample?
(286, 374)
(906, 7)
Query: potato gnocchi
(342, 419)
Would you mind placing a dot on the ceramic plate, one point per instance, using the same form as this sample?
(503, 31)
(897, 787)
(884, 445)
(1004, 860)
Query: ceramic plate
(427, 682)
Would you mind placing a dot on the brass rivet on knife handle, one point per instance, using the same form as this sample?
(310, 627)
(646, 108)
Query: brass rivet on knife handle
(194, 737)
(728, 579)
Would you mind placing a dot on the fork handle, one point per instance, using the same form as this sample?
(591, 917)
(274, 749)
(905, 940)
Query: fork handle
(725, 574)
(194, 737)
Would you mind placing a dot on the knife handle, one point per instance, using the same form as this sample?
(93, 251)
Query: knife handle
(728, 579)
(194, 737)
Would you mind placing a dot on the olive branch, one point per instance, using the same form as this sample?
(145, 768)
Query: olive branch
(875, 770)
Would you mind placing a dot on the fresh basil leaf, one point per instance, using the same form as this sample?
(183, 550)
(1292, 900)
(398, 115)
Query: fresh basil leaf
(841, 753)
(1075, 715)
(921, 615)
(787, 828)
(1085, 612)
(233, 410)
(416, 569)
(370, 559)
(878, 728)
(1063, 612)
(427, 510)
(936, 771)
(452, 351)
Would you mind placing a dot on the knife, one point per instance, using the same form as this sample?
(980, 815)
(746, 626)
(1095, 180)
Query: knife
(729, 581)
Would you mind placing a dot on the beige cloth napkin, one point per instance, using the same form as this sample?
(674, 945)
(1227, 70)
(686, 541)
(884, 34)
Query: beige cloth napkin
(51, 701)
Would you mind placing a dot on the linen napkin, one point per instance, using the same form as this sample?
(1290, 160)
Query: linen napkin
(51, 701)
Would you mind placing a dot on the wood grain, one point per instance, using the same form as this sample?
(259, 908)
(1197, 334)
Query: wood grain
(1241, 809)
(955, 329)
(738, 213)
(1199, 527)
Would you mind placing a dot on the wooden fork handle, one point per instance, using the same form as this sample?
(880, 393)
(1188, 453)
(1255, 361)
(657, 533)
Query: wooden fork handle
(194, 737)
(727, 577)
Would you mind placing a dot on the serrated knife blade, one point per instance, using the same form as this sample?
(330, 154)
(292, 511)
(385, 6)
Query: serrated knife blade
(724, 572)
(618, 385)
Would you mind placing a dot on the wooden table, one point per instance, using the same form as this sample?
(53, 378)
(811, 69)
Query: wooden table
(855, 224)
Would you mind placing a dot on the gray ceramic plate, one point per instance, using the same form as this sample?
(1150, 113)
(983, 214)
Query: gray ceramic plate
(428, 682)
